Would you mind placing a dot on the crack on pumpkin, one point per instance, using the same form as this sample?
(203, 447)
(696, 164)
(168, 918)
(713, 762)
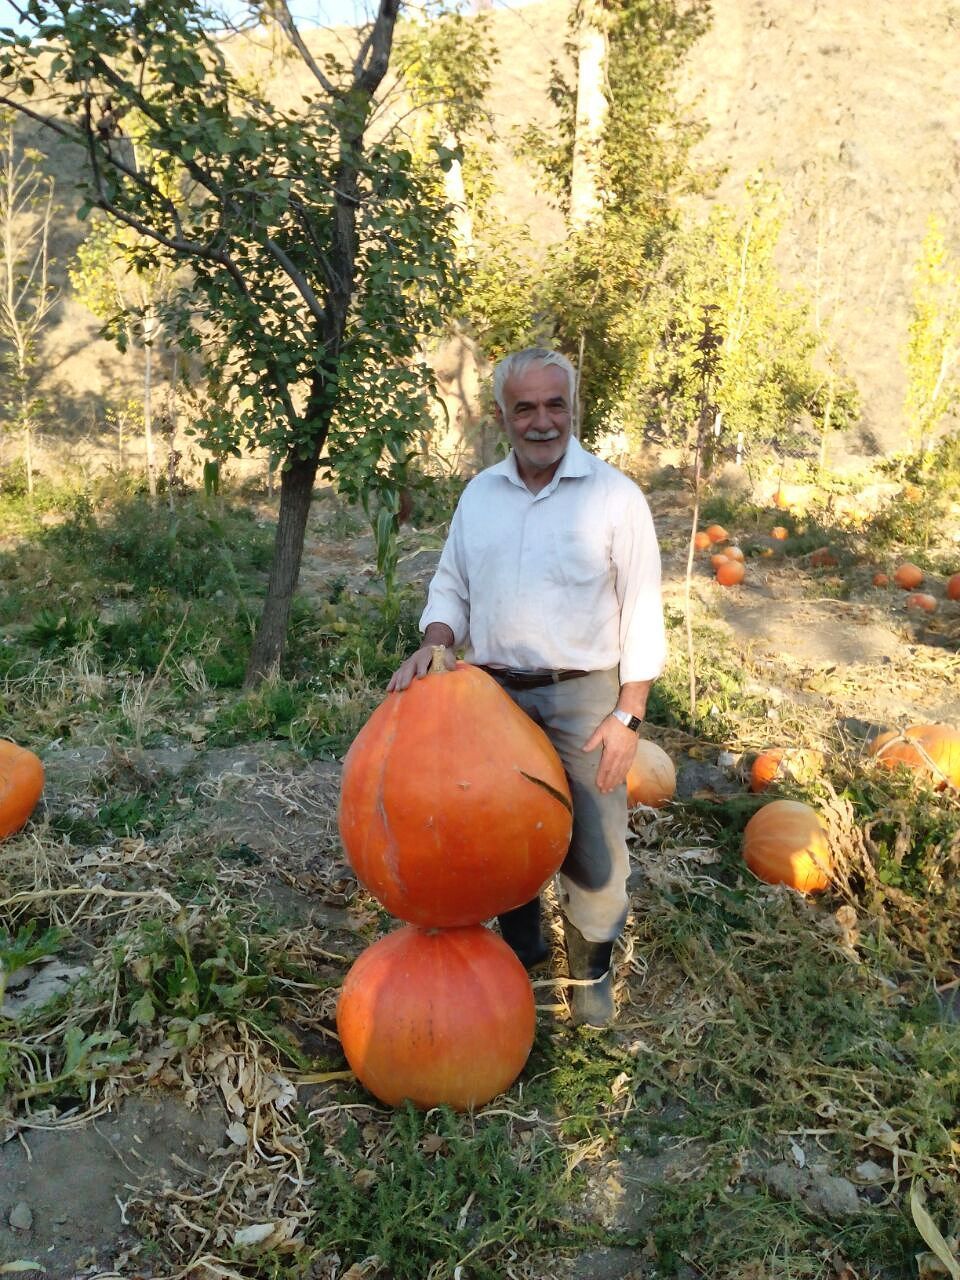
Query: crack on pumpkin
(557, 795)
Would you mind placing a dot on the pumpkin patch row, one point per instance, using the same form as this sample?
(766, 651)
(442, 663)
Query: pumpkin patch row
(454, 808)
(785, 841)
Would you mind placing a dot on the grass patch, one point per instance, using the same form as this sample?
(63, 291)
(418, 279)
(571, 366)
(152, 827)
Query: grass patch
(438, 1195)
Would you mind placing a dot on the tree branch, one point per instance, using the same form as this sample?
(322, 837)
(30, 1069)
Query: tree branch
(292, 32)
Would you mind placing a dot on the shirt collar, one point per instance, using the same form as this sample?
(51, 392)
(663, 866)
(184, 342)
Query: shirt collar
(574, 463)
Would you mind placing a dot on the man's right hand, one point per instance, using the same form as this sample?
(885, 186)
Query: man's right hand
(417, 666)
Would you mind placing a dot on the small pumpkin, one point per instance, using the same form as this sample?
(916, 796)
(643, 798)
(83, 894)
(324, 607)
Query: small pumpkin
(730, 573)
(766, 768)
(454, 805)
(780, 500)
(734, 552)
(786, 842)
(802, 765)
(953, 587)
(652, 779)
(21, 784)
(439, 1017)
(718, 559)
(701, 540)
(881, 580)
(909, 576)
(823, 558)
(717, 533)
(779, 532)
(921, 602)
(932, 749)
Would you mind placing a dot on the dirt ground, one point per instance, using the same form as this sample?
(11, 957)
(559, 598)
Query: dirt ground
(845, 666)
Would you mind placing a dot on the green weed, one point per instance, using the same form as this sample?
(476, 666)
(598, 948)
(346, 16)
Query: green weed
(439, 1194)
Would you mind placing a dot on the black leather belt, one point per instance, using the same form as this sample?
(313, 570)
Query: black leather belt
(530, 679)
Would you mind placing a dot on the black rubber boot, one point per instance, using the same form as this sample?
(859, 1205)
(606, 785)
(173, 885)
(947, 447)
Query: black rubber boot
(591, 1005)
(522, 931)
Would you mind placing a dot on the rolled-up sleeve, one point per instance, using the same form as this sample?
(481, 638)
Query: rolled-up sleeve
(636, 556)
(448, 598)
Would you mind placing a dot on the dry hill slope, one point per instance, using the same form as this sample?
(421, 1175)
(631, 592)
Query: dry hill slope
(854, 109)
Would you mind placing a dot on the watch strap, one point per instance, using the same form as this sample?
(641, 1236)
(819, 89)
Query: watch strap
(625, 718)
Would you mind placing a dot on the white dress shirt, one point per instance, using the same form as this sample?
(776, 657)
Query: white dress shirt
(567, 578)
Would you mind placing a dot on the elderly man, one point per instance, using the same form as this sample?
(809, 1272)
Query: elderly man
(550, 580)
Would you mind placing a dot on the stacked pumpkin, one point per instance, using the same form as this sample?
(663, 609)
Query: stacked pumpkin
(21, 782)
(454, 808)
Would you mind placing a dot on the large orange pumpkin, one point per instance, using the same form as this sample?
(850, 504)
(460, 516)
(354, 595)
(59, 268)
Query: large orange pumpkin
(717, 533)
(921, 602)
(909, 576)
(786, 843)
(21, 782)
(926, 748)
(652, 779)
(730, 573)
(442, 1017)
(454, 805)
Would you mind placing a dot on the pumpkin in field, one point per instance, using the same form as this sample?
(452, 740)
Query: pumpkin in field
(21, 782)
(454, 806)
(953, 587)
(718, 559)
(734, 553)
(730, 573)
(801, 765)
(717, 533)
(921, 602)
(652, 779)
(926, 748)
(779, 532)
(881, 580)
(442, 1017)
(823, 558)
(909, 576)
(701, 540)
(780, 500)
(785, 842)
(766, 768)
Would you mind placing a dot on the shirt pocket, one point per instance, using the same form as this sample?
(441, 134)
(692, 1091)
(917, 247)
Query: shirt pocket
(580, 559)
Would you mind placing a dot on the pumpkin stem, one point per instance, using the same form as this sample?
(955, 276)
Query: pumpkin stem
(437, 659)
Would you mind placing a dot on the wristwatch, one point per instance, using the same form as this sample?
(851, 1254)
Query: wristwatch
(632, 722)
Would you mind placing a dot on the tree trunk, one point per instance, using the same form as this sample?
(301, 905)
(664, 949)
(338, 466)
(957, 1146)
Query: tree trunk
(296, 491)
(456, 193)
(585, 184)
(148, 408)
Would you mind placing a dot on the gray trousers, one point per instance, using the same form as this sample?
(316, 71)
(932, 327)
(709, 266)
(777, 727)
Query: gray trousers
(593, 878)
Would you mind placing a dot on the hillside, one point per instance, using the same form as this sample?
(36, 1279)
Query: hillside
(854, 110)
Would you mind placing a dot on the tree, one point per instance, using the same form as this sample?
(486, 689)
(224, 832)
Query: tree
(127, 301)
(318, 253)
(445, 64)
(591, 110)
(933, 346)
(603, 285)
(26, 294)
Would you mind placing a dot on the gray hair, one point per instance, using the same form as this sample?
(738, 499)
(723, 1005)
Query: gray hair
(520, 360)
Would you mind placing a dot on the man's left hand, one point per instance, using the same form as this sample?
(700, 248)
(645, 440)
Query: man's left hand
(619, 749)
